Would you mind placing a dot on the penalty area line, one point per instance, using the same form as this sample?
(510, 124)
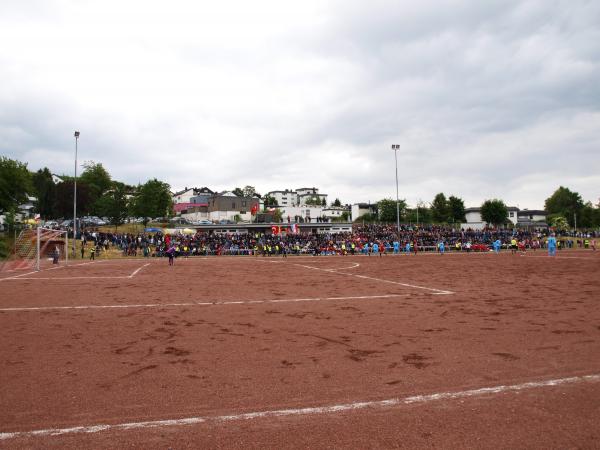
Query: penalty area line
(23, 276)
(307, 411)
(434, 290)
(135, 272)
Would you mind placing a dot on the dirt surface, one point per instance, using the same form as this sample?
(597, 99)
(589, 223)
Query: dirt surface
(132, 341)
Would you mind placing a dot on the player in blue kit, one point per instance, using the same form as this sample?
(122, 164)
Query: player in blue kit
(497, 245)
(552, 245)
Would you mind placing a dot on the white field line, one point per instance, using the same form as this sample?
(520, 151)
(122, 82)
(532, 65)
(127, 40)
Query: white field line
(436, 291)
(213, 303)
(353, 266)
(133, 274)
(63, 266)
(307, 411)
(556, 257)
(74, 278)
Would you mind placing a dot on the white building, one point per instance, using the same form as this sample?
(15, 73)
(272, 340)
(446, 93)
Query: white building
(305, 194)
(285, 198)
(299, 197)
(475, 222)
(301, 213)
(185, 195)
(531, 216)
(335, 212)
(360, 209)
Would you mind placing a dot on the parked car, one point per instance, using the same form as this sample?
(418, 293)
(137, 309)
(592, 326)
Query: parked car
(180, 221)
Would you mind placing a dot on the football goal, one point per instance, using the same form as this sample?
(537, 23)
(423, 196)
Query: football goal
(37, 248)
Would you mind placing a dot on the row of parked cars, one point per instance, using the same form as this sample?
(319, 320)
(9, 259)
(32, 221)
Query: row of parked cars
(94, 221)
(85, 221)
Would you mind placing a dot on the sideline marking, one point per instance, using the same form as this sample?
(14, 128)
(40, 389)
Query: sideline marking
(436, 291)
(556, 257)
(312, 410)
(214, 303)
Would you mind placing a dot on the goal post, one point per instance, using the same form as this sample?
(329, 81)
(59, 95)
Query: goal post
(37, 248)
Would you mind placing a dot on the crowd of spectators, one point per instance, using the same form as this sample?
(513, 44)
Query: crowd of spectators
(362, 239)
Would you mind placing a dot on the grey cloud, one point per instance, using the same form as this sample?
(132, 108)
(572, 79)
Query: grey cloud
(487, 99)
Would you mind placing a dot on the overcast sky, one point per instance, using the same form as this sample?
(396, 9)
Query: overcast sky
(488, 99)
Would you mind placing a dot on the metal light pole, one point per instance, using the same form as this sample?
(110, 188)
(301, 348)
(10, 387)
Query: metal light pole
(75, 196)
(396, 147)
(417, 213)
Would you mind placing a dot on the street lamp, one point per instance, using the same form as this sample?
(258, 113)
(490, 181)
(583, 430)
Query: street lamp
(75, 196)
(396, 147)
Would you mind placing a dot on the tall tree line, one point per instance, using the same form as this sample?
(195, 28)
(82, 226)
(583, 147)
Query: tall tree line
(97, 193)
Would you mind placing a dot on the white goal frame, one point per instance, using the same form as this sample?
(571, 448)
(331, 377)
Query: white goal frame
(38, 246)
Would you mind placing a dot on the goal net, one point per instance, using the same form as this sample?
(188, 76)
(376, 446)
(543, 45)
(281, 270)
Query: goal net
(38, 248)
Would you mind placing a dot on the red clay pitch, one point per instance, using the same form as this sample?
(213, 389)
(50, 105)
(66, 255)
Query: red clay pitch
(227, 343)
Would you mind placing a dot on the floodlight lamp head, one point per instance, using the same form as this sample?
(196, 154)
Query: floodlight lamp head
(76, 134)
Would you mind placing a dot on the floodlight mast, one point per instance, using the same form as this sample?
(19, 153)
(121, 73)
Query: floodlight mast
(75, 196)
(396, 147)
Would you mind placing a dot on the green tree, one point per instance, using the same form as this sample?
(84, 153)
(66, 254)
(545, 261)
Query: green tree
(152, 199)
(596, 216)
(15, 183)
(270, 201)
(423, 215)
(557, 221)
(494, 212)
(336, 202)
(439, 208)
(98, 181)
(344, 217)
(368, 217)
(313, 201)
(564, 202)
(456, 210)
(387, 210)
(63, 200)
(45, 192)
(113, 204)
(238, 191)
(248, 191)
(586, 216)
(277, 216)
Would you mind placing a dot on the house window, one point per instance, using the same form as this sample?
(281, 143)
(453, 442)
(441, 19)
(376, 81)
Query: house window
(232, 205)
(243, 203)
(512, 214)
